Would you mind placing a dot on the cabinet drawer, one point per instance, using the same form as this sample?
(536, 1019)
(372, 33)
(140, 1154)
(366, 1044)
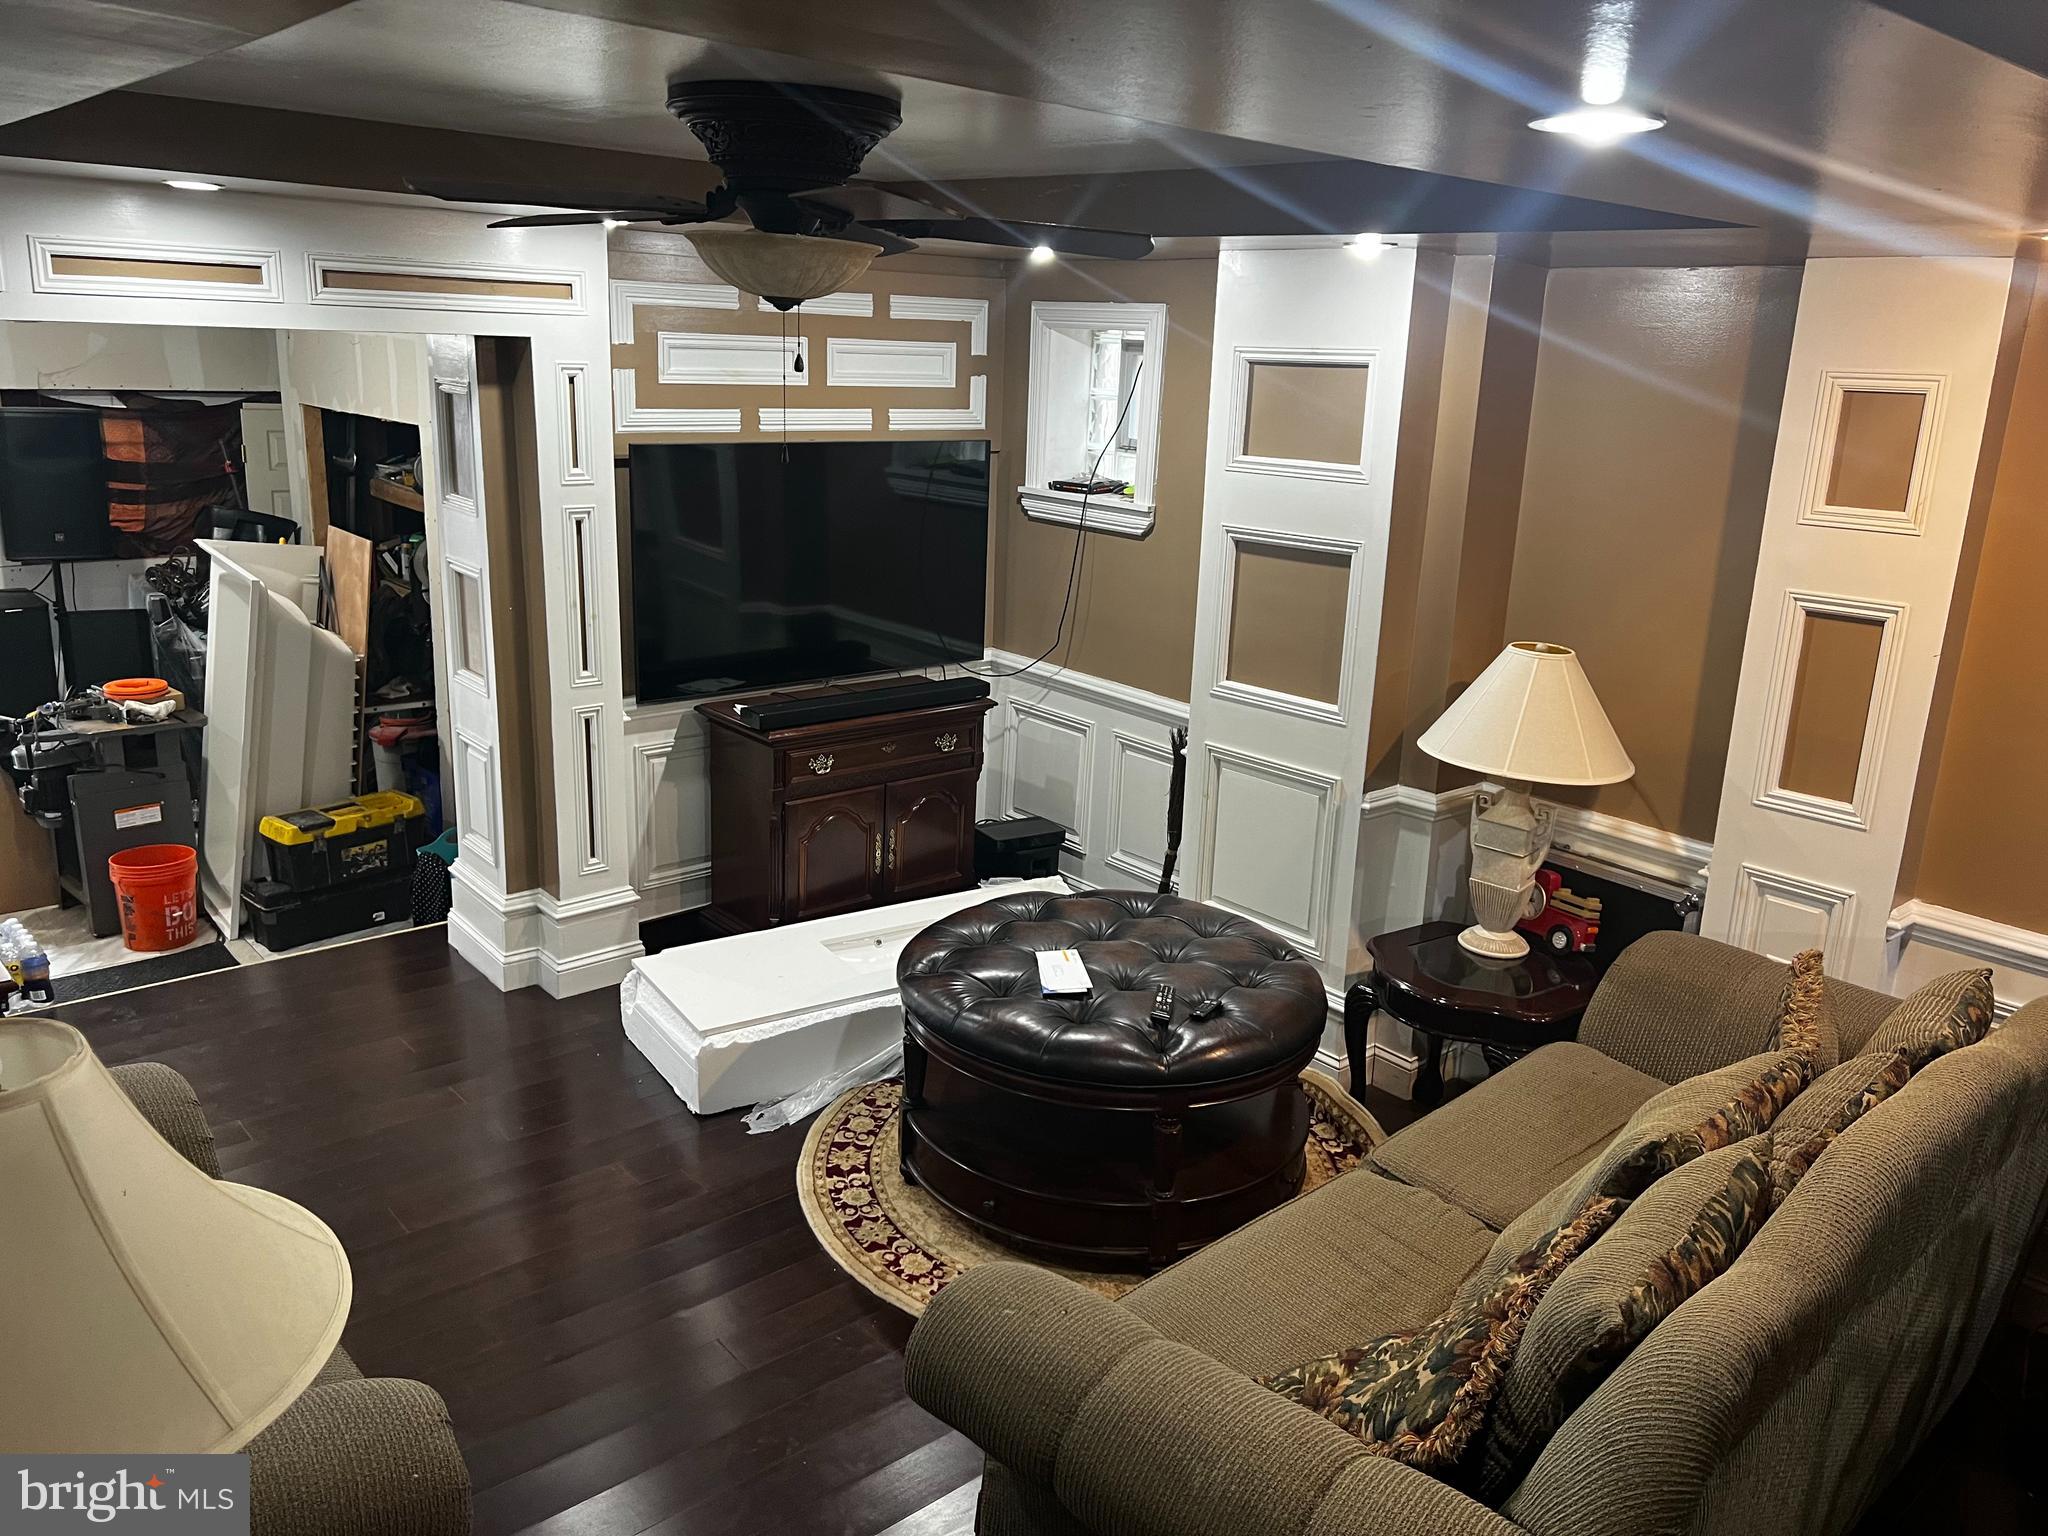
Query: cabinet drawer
(926, 744)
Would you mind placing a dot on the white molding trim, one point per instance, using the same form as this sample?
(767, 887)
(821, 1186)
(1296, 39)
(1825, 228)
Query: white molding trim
(1101, 690)
(43, 278)
(320, 264)
(1922, 924)
(572, 424)
(1123, 744)
(1668, 856)
(579, 532)
(1784, 692)
(724, 359)
(974, 418)
(1242, 359)
(1817, 510)
(1020, 710)
(881, 362)
(1756, 885)
(630, 417)
(915, 306)
(843, 303)
(1407, 800)
(591, 779)
(1321, 843)
(1105, 514)
(627, 297)
(822, 418)
(1329, 711)
(1076, 322)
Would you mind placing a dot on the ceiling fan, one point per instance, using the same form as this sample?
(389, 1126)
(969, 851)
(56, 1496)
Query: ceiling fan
(787, 152)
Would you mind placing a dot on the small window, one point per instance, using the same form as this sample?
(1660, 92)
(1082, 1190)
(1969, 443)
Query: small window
(1095, 383)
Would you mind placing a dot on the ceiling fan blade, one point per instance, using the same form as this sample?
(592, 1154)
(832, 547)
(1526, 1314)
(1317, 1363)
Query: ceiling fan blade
(867, 234)
(1066, 239)
(644, 204)
(544, 220)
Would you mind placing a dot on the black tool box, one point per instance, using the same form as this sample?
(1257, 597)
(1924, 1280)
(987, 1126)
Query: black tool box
(368, 838)
(281, 918)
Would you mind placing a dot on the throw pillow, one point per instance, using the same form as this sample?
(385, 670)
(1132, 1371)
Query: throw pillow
(1422, 1397)
(1806, 1021)
(1688, 1228)
(1948, 1013)
(1793, 1150)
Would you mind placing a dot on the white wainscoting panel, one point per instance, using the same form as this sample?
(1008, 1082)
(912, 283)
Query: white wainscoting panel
(1091, 754)
(876, 362)
(671, 809)
(711, 357)
(1270, 835)
(1925, 941)
(1777, 914)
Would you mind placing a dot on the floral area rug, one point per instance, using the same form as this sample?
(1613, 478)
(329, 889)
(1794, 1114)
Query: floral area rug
(906, 1247)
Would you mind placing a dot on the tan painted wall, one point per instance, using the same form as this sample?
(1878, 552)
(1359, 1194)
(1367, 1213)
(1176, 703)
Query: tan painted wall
(1649, 453)
(1984, 842)
(1133, 617)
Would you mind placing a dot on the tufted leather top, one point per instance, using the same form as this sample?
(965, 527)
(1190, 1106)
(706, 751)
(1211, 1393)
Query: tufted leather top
(971, 981)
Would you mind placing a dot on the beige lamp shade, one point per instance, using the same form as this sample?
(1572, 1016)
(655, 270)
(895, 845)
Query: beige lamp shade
(783, 269)
(143, 1305)
(1531, 716)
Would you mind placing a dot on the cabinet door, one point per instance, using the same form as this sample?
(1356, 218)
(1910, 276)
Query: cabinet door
(831, 854)
(931, 836)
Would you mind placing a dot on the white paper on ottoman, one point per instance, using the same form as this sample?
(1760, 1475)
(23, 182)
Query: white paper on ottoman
(739, 1020)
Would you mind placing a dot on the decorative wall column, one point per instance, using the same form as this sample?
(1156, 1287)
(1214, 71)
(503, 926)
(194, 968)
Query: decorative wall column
(1893, 374)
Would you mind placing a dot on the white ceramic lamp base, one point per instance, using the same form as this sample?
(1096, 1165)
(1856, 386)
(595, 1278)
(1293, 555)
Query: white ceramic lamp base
(1510, 839)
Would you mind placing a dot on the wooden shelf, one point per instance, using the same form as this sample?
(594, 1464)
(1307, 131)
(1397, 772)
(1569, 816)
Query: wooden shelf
(398, 495)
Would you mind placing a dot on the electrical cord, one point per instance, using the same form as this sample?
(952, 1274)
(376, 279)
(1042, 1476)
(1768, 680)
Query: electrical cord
(1080, 533)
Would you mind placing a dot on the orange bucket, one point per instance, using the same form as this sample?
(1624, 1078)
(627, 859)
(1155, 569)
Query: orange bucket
(158, 885)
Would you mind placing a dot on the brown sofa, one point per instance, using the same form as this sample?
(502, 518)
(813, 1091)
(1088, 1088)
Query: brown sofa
(352, 1454)
(1777, 1400)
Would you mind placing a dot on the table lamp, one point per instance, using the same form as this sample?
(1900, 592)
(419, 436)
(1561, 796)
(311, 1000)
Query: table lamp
(143, 1306)
(1530, 717)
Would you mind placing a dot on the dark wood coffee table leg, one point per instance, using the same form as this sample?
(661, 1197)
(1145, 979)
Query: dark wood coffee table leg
(1429, 1073)
(1166, 1152)
(914, 1059)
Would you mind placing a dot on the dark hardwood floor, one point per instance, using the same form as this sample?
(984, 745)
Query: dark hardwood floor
(632, 1325)
(622, 1304)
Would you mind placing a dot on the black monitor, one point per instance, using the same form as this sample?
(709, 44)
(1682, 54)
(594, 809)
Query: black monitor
(53, 485)
(757, 565)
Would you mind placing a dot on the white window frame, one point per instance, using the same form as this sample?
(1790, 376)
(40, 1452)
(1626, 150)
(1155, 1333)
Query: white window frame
(1132, 516)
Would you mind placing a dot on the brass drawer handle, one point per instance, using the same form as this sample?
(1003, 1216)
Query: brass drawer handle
(946, 742)
(878, 853)
(822, 763)
(888, 747)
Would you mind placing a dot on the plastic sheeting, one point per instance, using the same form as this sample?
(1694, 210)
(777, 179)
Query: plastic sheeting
(777, 1113)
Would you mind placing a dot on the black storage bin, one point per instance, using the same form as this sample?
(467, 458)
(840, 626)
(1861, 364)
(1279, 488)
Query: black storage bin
(281, 918)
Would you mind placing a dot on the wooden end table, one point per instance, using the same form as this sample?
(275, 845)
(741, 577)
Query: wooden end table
(1425, 979)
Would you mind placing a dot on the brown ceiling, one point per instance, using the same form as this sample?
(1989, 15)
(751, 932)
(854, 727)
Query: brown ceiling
(1888, 124)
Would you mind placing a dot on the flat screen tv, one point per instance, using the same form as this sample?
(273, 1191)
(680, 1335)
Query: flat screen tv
(758, 565)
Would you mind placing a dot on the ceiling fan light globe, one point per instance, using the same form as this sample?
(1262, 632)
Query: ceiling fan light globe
(785, 270)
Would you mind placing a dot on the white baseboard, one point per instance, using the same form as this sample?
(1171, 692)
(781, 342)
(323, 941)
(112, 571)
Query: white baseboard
(533, 939)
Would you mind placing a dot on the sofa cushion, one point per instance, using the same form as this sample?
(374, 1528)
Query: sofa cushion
(1504, 1142)
(1948, 1012)
(1361, 1256)
(1423, 1397)
(1674, 1238)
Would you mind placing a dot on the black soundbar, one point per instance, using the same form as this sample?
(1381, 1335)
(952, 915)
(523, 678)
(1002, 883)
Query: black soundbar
(781, 711)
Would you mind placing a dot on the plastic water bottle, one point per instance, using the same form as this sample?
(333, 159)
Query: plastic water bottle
(35, 973)
(10, 957)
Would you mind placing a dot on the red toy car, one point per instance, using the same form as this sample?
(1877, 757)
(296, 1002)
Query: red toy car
(1565, 921)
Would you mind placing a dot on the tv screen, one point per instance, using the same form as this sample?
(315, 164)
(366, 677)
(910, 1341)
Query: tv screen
(763, 564)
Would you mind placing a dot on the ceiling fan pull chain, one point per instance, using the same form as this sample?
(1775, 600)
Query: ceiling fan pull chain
(799, 337)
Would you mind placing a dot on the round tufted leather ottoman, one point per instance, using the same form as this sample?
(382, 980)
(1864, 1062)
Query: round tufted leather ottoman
(1076, 1127)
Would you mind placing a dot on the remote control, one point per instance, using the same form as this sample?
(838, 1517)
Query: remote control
(1162, 1005)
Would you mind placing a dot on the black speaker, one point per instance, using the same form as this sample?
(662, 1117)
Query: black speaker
(28, 677)
(53, 485)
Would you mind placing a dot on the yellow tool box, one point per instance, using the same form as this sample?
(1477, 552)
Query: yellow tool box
(371, 835)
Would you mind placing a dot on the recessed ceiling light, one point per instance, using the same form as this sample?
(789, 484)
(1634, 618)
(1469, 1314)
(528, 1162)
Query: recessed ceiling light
(614, 223)
(1599, 125)
(187, 184)
(1366, 247)
(1043, 253)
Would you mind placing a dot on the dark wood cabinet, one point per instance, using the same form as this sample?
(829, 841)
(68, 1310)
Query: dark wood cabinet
(819, 819)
